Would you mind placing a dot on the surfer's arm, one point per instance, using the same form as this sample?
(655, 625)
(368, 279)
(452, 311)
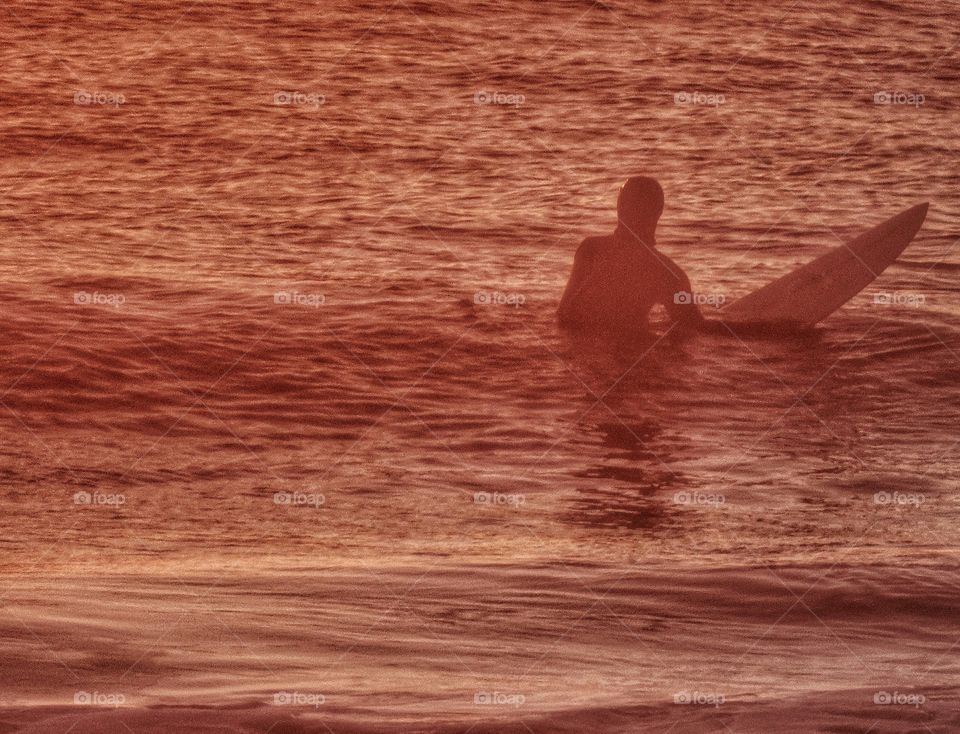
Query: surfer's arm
(582, 264)
(678, 297)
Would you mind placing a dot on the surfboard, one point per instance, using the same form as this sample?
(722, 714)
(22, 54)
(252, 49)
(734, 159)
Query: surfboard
(807, 295)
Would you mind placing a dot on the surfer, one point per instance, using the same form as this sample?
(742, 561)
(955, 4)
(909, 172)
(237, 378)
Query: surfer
(618, 278)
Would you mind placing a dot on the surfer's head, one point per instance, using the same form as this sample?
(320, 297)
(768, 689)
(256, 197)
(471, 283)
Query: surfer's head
(639, 206)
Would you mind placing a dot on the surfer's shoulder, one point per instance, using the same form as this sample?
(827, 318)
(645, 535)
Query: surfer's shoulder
(591, 247)
(674, 272)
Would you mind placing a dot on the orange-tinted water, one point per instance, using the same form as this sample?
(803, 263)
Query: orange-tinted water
(285, 408)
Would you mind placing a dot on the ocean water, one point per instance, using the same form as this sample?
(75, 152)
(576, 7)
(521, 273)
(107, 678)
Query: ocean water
(288, 425)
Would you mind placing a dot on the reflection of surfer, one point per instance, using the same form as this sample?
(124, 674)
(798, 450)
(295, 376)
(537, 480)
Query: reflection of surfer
(618, 278)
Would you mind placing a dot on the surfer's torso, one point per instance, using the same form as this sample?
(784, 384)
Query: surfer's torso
(616, 281)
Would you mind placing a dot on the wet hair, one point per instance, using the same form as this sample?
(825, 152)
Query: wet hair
(640, 203)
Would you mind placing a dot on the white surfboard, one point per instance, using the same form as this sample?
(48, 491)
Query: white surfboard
(809, 294)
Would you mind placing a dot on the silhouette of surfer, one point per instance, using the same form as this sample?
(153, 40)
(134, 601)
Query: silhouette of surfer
(618, 278)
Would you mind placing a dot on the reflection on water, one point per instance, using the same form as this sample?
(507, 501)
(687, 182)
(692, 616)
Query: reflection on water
(633, 469)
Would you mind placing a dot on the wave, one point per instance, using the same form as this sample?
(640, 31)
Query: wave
(883, 711)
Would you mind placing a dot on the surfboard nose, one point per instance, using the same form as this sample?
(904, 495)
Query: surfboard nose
(904, 225)
(917, 211)
(915, 216)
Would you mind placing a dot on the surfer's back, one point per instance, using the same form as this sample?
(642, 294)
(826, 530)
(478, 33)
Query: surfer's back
(613, 285)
